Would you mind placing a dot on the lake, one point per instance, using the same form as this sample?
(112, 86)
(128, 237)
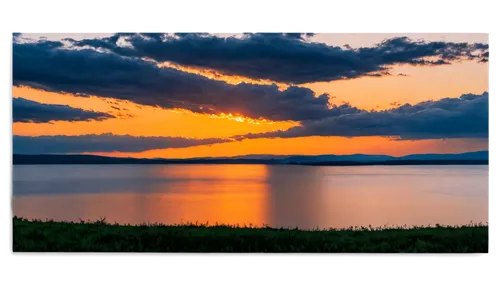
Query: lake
(276, 195)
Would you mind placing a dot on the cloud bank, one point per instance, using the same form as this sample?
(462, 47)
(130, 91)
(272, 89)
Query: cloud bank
(24, 110)
(45, 65)
(61, 144)
(115, 67)
(287, 58)
(118, 70)
(464, 117)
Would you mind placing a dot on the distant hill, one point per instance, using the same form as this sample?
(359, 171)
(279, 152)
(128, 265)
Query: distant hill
(297, 159)
(337, 158)
(471, 158)
(480, 155)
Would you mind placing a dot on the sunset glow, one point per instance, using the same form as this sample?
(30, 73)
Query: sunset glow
(403, 83)
(212, 74)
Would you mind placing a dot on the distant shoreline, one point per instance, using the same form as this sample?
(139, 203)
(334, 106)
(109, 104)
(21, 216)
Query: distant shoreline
(101, 160)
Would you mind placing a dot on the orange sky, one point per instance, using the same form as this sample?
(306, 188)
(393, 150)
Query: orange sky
(420, 84)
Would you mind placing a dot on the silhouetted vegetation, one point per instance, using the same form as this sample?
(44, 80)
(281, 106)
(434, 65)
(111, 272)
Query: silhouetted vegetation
(99, 236)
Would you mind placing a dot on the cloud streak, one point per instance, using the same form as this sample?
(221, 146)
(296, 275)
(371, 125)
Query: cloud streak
(287, 58)
(61, 144)
(24, 110)
(464, 117)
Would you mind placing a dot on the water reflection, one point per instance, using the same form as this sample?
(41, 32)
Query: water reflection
(230, 194)
(295, 196)
(288, 196)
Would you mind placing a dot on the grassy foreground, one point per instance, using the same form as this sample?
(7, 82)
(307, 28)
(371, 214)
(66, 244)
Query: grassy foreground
(51, 236)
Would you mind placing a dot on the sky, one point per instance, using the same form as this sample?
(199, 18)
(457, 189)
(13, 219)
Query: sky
(211, 95)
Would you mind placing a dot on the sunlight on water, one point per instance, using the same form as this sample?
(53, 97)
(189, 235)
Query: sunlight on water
(288, 196)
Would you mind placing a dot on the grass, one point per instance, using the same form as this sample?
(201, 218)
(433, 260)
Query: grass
(99, 236)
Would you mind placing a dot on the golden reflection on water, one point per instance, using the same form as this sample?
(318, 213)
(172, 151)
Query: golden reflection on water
(227, 194)
(288, 196)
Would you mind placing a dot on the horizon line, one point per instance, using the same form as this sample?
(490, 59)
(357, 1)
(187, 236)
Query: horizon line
(246, 155)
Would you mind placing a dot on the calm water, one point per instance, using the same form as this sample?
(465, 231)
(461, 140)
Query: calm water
(288, 196)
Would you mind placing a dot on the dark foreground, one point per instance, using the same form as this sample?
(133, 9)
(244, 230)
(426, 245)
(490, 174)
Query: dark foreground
(50, 236)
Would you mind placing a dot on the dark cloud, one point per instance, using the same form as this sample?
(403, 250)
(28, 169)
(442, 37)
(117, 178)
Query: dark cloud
(295, 36)
(464, 117)
(44, 65)
(286, 57)
(485, 57)
(24, 110)
(299, 35)
(120, 74)
(61, 144)
(379, 74)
